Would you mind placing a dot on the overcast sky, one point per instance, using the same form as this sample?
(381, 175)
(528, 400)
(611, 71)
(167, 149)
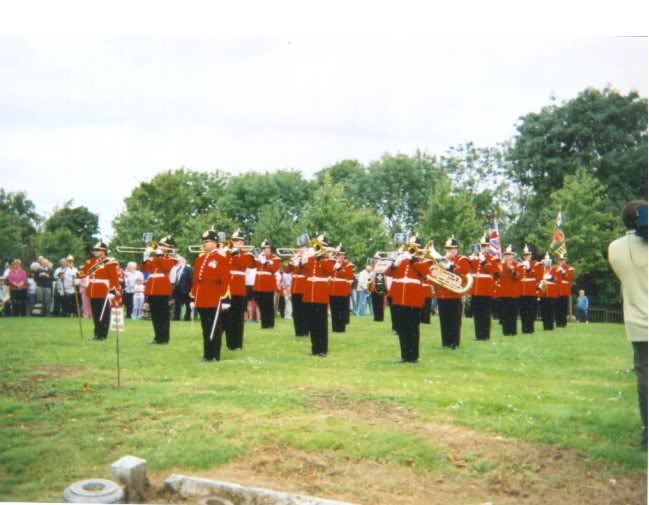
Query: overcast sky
(87, 119)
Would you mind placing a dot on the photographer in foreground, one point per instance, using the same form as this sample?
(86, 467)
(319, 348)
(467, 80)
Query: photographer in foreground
(628, 258)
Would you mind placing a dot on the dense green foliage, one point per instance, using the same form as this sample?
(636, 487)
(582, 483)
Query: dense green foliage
(62, 419)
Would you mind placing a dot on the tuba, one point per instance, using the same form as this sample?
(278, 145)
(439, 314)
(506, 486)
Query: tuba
(440, 275)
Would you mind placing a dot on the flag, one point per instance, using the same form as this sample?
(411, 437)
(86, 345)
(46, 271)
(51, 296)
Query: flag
(559, 220)
(558, 244)
(494, 237)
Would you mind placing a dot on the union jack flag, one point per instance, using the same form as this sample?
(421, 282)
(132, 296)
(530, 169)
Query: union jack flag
(494, 237)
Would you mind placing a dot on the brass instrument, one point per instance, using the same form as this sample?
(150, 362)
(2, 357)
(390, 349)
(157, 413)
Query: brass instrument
(441, 276)
(197, 248)
(140, 250)
(286, 252)
(320, 249)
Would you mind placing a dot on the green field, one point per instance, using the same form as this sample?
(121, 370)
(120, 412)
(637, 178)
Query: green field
(502, 416)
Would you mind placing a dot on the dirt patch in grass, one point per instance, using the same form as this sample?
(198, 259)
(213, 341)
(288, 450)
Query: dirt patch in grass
(57, 371)
(481, 466)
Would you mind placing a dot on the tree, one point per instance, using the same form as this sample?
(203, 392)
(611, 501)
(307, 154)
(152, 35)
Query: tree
(350, 174)
(60, 243)
(245, 195)
(450, 212)
(589, 227)
(274, 226)
(11, 245)
(78, 220)
(168, 204)
(20, 223)
(361, 231)
(601, 132)
(397, 187)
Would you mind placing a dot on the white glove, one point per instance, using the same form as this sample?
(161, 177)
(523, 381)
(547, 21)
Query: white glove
(561, 270)
(337, 265)
(481, 257)
(407, 255)
(77, 282)
(159, 252)
(110, 296)
(147, 254)
(547, 277)
(526, 264)
(262, 259)
(192, 305)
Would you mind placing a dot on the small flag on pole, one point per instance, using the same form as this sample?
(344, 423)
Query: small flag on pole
(494, 237)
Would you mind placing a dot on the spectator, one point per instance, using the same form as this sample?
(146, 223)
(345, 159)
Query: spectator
(286, 284)
(138, 298)
(252, 311)
(628, 258)
(31, 288)
(17, 282)
(582, 307)
(85, 299)
(44, 282)
(5, 298)
(131, 275)
(59, 293)
(354, 297)
(181, 279)
(362, 292)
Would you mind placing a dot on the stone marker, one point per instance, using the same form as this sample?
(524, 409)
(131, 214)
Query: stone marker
(213, 501)
(193, 487)
(131, 473)
(94, 491)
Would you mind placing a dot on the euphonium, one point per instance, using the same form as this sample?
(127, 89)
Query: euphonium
(441, 276)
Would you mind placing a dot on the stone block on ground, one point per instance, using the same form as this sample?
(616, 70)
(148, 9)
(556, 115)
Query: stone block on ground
(131, 473)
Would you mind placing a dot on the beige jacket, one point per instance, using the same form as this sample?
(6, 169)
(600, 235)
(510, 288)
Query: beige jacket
(628, 258)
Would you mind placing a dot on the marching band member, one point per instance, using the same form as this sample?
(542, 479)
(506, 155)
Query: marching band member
(564, 280)
(407, 295)
(103, 287)
(483, 267)
(547, 291)
(240, 261)
(318, 269)
(340, 291)
(511, 273)
(532, 275)
(158, 287)
(298, 287)
(211, 280)
(377, 290)
(265, 284)
(450, 303)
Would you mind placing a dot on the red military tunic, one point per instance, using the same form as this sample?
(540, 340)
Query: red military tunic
(238, 265)
(158, 283)
(211, 279)
(427, 288)
(551, 289)
(531, 277)
(317, 279)
(483, 275)
(298, 279)
(462, 267)
(265, 281)
(104, 279)
(406, 288)
(566, 274)
(510, 281)
(341, 281)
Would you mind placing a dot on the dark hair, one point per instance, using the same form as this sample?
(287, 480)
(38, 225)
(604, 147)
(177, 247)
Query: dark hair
(630, 213)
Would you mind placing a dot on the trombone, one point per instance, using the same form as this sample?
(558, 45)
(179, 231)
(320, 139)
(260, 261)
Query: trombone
(140, 250)
(287, 252)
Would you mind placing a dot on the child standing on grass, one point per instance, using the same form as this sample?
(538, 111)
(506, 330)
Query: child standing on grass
(582, 307)
(138, 298)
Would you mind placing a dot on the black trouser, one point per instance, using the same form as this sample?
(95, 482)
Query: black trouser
(640, 366)
(266, 302)
(426, 310)
(211, 347)
(59, 301)
(377, 306)
(450, 319)
(181, 300)
(339, 313)
(233, 322)
(391, 305)
(407, 321)
(19, 302)
(547, 313)
(495, 309)
(561, 311)
(281, 306)
(509, 315)
(481, 307)
(128, 303)
(528, 313)
(101, 326)
(316, 320)
(159, 307)
(299, 321)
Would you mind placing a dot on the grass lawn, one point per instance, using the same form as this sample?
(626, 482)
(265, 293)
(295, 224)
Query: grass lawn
(514, 420)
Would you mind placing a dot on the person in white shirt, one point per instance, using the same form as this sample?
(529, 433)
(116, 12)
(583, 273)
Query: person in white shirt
(252, 311)
(628, 258)
(361, 288)
(131, 275)
(138, 298)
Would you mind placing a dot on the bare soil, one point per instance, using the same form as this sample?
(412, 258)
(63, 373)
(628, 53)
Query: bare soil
(483, 467)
